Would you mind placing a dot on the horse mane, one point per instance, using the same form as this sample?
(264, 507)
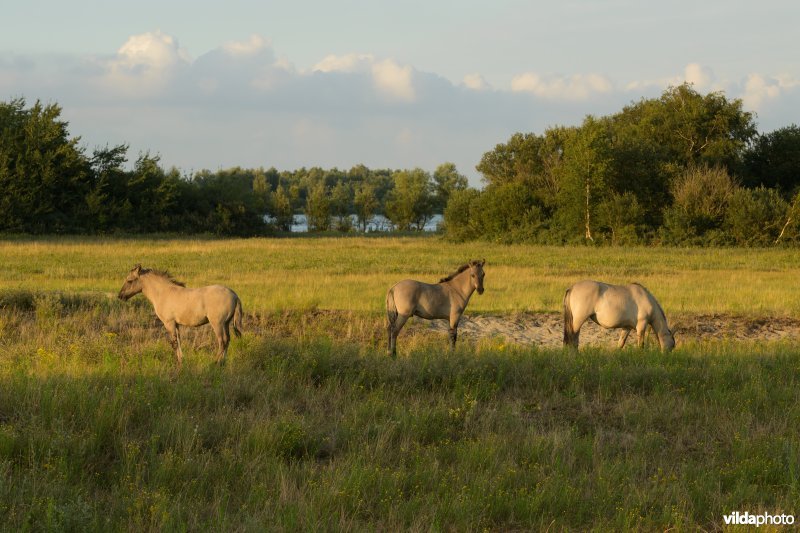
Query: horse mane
(461, 269)
(163, 274)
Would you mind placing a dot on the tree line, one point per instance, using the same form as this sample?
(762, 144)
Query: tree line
(50, 184)
(684, 168)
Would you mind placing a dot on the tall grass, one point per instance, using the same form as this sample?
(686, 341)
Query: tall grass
(354, 273)
(306, 429)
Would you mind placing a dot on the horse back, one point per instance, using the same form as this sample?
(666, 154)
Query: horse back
(195, 306)
(413, 297)
(609, 305)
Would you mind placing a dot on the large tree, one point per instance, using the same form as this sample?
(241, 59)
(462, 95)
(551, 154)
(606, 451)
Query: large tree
(44, 175)
(410, 204)
(773, 160)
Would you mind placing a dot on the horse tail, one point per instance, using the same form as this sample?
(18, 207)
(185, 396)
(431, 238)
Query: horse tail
(569, 330)
(391, 310)
(237, 318)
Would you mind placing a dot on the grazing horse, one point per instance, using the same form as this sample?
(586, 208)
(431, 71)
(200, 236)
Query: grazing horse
(614, 306)
(446, 299)
(178, 306)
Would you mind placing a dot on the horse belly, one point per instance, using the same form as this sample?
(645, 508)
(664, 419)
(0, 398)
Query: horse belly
(611, 316)
(191, 317)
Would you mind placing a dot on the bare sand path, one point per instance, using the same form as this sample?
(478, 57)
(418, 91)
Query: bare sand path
(546, 329)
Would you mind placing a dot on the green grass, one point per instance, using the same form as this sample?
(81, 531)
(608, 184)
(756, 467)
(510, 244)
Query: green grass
(99, 431)
(311, 427)
(354, 273)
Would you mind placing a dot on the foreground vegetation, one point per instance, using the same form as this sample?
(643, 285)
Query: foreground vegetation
(98, 431)
(311, 426)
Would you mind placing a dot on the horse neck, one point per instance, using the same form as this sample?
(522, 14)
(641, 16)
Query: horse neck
(153, 287)
(659, 320)
(461, 284)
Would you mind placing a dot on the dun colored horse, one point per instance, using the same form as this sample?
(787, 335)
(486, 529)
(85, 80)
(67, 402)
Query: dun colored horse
(446, 299)
(614, 306)
(178, 306)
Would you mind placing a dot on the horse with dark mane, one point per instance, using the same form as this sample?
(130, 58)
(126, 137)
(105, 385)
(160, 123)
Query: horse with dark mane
(446, 299)
(614, 306)
(176, 305)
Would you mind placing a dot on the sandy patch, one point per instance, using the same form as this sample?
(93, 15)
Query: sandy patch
(546, 329)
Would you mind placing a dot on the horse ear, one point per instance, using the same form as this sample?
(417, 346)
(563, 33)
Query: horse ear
(137, 268)
(483, 262)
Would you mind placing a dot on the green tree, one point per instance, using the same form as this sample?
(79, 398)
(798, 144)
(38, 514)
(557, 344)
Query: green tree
(342, 205)
(318, 208)
(44, 176)
(622, 216)
(410, 204)
(446, 180)
(755, 217)
(688, 128)
(282, 210)
(584, 176)
(459, 224)
(507, 213)
(366, 204)
(519, 159)
(700, 200)
(773, 160)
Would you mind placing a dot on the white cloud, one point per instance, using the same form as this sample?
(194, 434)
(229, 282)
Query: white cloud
(253, 45)
(145, 64)
(347, 63)
(239, 104)
(476, 82)
(575, 87)
(760, 90)
(393, 80)
(699, 76)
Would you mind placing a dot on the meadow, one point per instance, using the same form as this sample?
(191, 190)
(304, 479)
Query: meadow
(310, 426)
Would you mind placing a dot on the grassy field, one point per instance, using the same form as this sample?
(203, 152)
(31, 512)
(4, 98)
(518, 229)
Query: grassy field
(311, 427)
(354, 273)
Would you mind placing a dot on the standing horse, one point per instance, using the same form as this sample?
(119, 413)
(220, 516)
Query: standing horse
(178, 306)
(614, 306)
(446, 299)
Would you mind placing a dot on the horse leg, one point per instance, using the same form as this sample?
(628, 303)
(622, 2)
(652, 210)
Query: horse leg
(174, 340)
(641, 330)
(223, 339)
(394, 331)
(623, 337)
(573, 336)
(454, 319)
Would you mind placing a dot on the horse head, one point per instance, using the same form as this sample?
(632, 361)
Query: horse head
(132, 285)
(476, 274)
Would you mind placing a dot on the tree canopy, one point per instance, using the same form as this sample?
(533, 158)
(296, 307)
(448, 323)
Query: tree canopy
(684, 168)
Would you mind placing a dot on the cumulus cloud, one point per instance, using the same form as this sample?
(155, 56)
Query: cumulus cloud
(575, 87)
(145, 64)
(476, 82)
(699, 76)
(239, 104)
(251, 46)
(394, 82)
(347, 63)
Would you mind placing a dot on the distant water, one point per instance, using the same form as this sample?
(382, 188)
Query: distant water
(378, 223)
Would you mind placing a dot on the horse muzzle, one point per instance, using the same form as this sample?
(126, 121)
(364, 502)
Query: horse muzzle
(480, 290)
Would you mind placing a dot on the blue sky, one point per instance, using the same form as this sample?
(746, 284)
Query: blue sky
(395, 84)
